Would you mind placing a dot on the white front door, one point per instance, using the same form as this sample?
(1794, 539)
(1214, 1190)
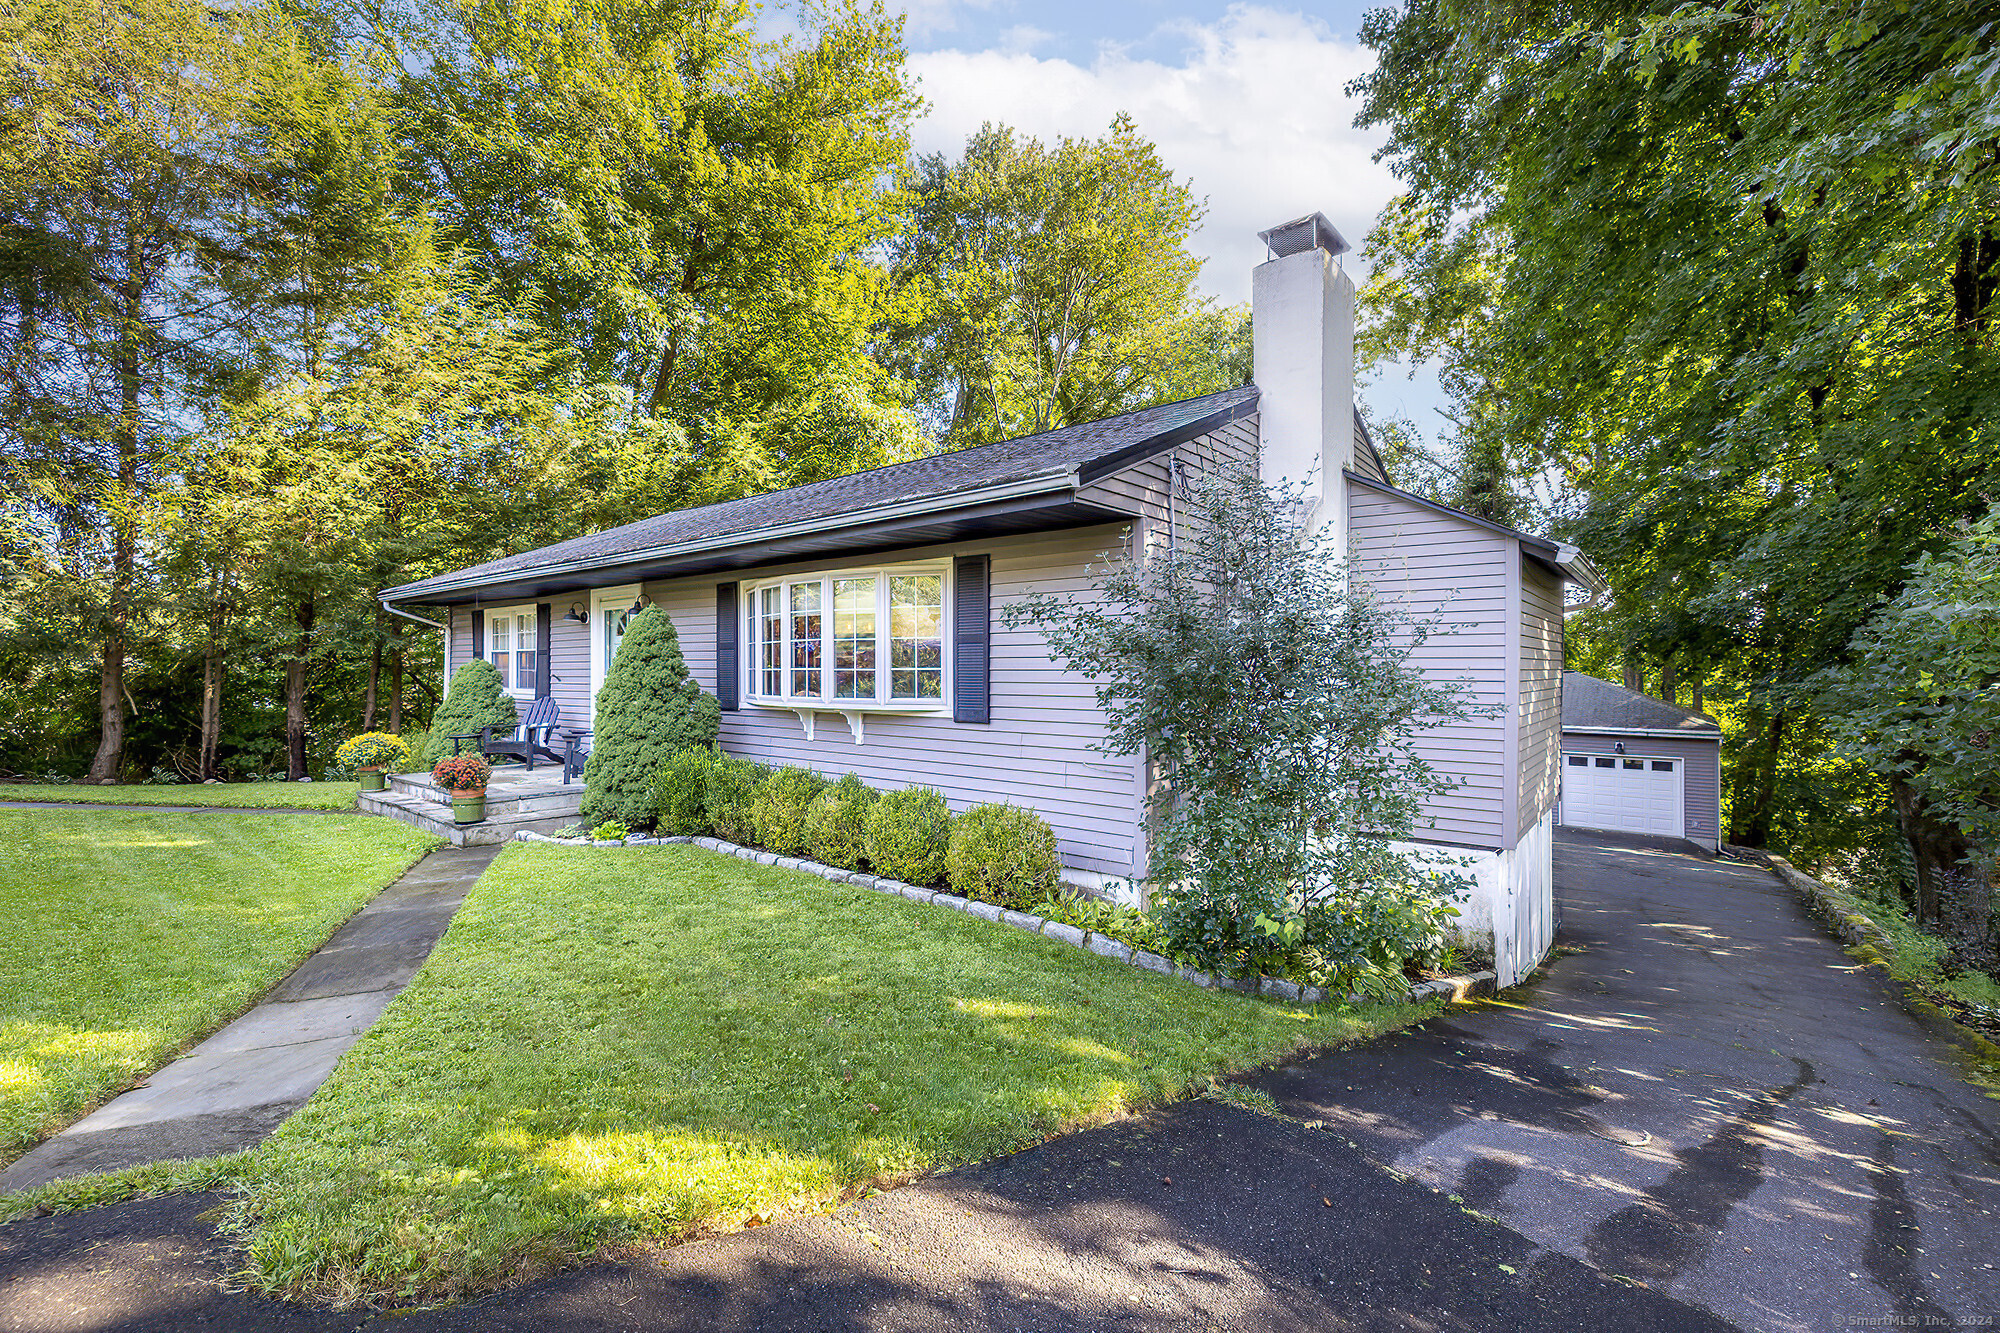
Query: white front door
(1624, 793)
(610, 615)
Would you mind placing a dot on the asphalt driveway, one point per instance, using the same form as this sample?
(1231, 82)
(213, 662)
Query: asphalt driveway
(1702, 1115)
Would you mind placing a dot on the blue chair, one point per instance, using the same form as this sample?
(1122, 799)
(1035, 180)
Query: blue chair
(533, 737)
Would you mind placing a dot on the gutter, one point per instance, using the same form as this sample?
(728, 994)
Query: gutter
(421, 620)
(1644, 731)
(1578, 567)
(1045, 483)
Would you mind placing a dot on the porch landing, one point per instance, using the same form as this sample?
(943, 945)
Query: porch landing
(516, 800)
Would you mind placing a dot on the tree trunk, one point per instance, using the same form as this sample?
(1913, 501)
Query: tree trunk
(1670, 686)
(295, 693)
(396, 677)
(1753, 826)
(1694, 686)
(374, 675)
(1936, 848)
(1635, 674)
(110, 756)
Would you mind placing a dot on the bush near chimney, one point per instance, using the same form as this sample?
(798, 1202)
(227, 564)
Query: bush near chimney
(649, 708)
(1003, 854)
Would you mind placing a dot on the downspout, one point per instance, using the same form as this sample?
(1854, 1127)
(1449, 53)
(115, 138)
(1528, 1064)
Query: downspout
(434, 624)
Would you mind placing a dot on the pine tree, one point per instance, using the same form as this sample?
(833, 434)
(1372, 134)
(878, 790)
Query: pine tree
(649, 707)
(476, 699)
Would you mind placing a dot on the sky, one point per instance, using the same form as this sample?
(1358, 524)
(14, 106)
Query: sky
(1246, 101)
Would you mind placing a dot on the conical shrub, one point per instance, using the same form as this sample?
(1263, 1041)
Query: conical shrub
(649, 708)
(474, 699)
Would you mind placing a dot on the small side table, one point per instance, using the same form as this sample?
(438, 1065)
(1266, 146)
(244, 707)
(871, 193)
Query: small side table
(457, 741)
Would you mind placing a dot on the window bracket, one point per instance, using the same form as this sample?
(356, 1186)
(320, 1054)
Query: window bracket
(805, 721)
(853, 716)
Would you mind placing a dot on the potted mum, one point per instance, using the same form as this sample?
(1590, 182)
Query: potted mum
(372, 754)
(464, 776)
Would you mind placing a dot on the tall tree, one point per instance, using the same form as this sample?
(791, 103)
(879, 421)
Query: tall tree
(1730, 268)
(1053, 285)
(114, 187)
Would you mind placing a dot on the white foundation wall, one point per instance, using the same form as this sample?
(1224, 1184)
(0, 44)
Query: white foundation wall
(1511, 904)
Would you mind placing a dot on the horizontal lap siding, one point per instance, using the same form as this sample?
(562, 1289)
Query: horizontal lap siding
(461, 640)
(1702, 788)
(1436, 566)
(1541, 692)
(569, 663)
(1143, 489)
(1035, 752)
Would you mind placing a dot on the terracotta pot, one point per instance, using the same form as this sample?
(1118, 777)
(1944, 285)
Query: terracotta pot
(469, 806)
(374, 779)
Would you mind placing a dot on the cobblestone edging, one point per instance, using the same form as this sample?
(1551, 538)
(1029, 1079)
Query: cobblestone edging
(1854, 927)
(1445, 988)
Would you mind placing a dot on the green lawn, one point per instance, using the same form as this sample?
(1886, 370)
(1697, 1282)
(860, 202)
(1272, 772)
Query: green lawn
(128, 934)
(636, 1044)
(267, 795)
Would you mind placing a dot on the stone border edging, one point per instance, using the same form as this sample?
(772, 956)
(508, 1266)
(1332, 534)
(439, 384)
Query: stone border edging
(1854, 927)
(1449, 989)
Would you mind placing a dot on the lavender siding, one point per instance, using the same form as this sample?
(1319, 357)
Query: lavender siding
(569, 662)
(1539, 693)
(1036, 752)
(1702, 784)
(1143, 488)
(1440, 566)
(459, 650)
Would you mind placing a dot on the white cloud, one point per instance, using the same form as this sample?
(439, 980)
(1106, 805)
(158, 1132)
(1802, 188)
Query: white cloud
(1255, 113)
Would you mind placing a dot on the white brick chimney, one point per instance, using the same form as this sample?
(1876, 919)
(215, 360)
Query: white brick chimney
(1302, 326)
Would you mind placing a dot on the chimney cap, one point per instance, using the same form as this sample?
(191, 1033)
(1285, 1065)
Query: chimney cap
(1302, 234)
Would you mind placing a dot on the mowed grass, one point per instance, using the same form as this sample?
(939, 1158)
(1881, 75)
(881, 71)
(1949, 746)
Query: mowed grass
(128, 934)
(648, 1043)
(254, 795)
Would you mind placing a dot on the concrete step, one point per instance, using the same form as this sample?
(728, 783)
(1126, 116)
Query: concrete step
(437, 821)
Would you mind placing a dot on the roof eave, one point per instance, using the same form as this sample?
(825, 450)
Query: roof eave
(443, 587)
(1660, 733)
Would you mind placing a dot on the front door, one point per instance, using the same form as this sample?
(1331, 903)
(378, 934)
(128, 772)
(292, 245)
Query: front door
(611, 616)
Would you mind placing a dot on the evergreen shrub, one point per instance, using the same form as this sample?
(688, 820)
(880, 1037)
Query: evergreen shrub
(780, 809)
(837, 823)
(680, 794)
(909, 835)
(474, 699)
(1003, 854)
(732, 799)
(649, 708)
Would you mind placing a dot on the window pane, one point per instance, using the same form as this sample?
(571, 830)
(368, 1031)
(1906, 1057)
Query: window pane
(1663, 766)
(770, 642)
(805, 638)
(1606, 763)
(526, 651)
(916, 642)
(854, 638)
(1577, 761)
(1635, 763)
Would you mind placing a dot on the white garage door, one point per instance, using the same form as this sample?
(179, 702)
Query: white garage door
(1628, 793)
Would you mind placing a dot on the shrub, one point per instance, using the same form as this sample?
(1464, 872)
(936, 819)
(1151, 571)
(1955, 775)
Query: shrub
(648, 708)
(461, 772)
(837, 823)
(732, 799)
(909, 835)
(371, 749)
(611, 830)
(680, 794)
(1003, 854)
(474, 699)
(780, 809)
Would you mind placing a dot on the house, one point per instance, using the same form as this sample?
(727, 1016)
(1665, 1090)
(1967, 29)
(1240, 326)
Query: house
(853, 624)
(1636, 764)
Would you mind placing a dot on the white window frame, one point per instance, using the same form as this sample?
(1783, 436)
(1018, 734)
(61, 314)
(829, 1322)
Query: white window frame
(605, 603)
(749, 673)
(493, 613)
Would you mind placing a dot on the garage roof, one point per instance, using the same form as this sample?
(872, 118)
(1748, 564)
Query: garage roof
(1590, 704)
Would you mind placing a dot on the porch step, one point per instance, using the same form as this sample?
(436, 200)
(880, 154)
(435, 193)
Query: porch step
(506, 797)
(551, 812)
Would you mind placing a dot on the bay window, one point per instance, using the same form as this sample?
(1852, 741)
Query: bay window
(848, 639)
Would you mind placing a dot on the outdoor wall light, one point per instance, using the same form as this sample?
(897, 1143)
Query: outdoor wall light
(638, 605)
(1619, 748)
(578, 614)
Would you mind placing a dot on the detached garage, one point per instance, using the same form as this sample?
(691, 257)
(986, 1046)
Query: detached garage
(1635, 764)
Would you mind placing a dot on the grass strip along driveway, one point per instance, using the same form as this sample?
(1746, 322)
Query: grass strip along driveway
(264, 795)
(130, 934)
(615, 1046)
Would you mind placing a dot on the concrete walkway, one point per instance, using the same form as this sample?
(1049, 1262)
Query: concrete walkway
(232, 1090)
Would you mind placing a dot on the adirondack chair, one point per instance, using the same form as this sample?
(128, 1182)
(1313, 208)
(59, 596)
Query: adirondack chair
(535, 736)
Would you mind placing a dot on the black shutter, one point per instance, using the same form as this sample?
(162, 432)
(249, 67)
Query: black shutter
(971, 651)
(725, 646)
(541, 650)
(478, 632)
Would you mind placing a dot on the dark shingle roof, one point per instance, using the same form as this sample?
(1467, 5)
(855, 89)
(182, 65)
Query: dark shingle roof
(1051, 453)
(1590, 702)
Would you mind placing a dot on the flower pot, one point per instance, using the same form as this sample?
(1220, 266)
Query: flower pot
(374, 779)
(469, 807)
